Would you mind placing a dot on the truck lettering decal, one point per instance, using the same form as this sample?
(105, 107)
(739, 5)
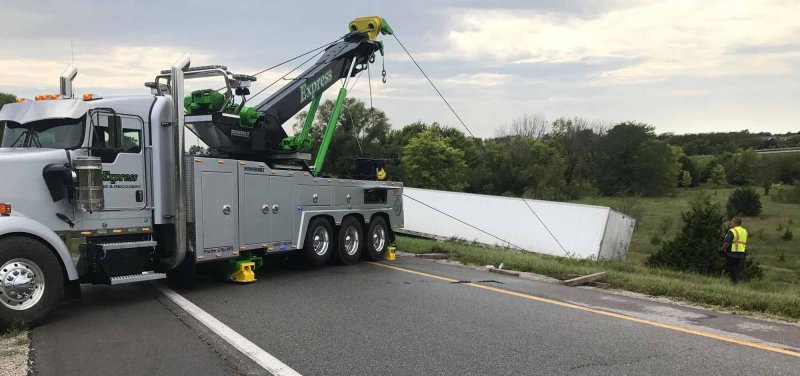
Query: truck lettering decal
(254, 169)
(236, 132)
(114, 178)
(309, 88)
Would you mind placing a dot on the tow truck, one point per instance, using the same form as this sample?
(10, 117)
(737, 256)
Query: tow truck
(100, 190)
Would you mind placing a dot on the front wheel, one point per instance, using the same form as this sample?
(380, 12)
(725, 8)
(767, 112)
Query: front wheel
(31, 281)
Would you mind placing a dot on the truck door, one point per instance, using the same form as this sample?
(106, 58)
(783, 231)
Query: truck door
(254, 210)
(281, 193)
(120, 146)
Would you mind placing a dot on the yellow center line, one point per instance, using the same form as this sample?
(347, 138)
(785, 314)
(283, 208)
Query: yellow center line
(602, 312)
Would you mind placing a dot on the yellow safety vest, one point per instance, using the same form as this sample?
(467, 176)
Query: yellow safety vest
(739, 239)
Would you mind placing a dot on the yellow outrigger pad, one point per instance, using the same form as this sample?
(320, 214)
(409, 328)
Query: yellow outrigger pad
(244, 272)
(390, 255)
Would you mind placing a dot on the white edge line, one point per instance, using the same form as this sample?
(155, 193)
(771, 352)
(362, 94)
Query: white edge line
(261, 357)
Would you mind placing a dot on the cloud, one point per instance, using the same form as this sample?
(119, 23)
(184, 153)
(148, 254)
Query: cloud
(479, 79)
(662, 38)
(118, 67)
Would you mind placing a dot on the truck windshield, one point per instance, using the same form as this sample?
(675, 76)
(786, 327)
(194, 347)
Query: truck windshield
(51, 133)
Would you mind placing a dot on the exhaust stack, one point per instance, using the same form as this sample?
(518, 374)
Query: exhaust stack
(176, 83)
(66, 82)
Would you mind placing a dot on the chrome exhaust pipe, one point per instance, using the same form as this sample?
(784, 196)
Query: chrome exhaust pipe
(66, 82)
(176, 83)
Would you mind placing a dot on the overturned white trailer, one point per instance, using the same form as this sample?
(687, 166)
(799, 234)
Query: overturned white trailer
(575, 230)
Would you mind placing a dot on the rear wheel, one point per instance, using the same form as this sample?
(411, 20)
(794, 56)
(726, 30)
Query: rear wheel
(318, 244)
(350, 241)
(31, 281)
(377, 239)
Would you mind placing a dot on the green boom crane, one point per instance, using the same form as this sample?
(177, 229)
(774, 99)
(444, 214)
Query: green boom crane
(259, 132)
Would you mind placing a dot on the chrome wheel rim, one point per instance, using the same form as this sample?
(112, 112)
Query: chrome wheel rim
(378, 238)
(21, 284)
(351, 240)
(321, 241)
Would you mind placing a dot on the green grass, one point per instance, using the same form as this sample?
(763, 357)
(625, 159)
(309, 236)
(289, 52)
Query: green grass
(778, 293)
(12, 331)
(700, 161)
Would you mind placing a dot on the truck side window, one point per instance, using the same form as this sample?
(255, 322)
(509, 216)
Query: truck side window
(131, 141)
(107, 145)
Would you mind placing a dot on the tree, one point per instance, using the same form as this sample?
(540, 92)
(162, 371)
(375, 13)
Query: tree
(196, 150)
(576, 140)
(767, 173)
(360, 132)
(741, 168)
(717, 175)
(528, 125)
(688, 166)
(6, 98)
(696, 248)
(429, 162)
(632, 161)
(520, 166)
(686, 179)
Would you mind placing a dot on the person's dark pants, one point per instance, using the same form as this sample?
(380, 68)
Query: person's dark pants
(732, 266)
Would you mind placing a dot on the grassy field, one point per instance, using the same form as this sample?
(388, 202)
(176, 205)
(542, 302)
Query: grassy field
(700, 161)
(778, 293)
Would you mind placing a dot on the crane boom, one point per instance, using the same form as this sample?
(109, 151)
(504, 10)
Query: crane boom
(228, 132)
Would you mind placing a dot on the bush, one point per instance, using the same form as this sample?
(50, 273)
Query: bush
(787, 235)
(696, 247)
(744, 201)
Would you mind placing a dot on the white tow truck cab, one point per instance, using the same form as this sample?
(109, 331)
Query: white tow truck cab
(100, 190)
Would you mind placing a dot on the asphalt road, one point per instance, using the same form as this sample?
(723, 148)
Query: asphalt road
(368, 319)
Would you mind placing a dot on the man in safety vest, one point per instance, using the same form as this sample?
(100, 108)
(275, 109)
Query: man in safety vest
(733, 247)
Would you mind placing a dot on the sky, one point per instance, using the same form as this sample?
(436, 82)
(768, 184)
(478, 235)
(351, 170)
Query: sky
(682, 66)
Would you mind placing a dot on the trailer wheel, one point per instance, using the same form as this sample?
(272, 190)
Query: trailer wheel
(318, 243)
(377, 239)
(350, 241)
(31, 281)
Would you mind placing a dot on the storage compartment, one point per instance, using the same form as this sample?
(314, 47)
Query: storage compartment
(313, 195)
(349, 196)
(255, 210)
(220, 210)
(215, 208)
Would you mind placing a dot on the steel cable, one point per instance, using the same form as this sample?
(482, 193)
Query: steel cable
(473, 136)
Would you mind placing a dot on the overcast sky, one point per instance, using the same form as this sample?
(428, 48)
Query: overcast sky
(683, 66)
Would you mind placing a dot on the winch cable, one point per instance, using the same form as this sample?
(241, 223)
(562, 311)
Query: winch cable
(473, 136)
(463, 222)
(355, 82)
(326, 45)
(369, 78)
(299, 56)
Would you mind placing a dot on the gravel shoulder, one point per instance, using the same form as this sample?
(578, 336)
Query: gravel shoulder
(14, 350)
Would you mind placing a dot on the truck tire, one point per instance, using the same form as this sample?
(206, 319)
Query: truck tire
(377, 239)
(350, 241)
(31, 281)
(319, 242)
